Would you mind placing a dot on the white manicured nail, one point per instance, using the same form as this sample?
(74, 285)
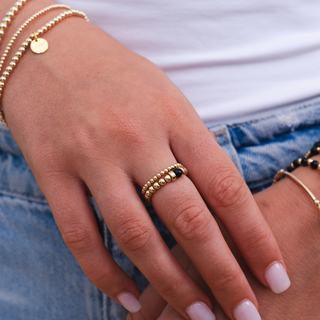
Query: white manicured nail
(200, 311)
(129, 301)
(246, 310)
(277, 278)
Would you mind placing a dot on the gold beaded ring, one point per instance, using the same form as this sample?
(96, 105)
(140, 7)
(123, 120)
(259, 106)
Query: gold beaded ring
(27, 43)
(14, 37)
(10, 16)
(165, 176)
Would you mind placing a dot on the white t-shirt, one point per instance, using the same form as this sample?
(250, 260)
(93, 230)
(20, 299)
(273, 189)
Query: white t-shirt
(229, 57)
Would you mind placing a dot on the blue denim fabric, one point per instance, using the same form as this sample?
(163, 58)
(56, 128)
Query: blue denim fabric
(40, 279)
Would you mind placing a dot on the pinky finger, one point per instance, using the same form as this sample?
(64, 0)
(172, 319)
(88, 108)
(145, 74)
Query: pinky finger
(77, 224)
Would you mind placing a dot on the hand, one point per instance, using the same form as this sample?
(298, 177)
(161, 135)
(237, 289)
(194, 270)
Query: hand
(295, 223)
(90, 116)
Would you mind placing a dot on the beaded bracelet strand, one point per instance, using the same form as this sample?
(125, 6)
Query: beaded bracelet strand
(33, 38)
(306, 161)
(14, 37)
(10, 16)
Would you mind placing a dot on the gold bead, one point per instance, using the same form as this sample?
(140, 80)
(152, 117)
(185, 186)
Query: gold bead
(18, 4)
(1, 33)
(155, 178)
(10, 14)
(166, 170)
(23, 1)
(56, 20)
(151, 181)
(3, 26)
(29, 40)
(6, 73)
(15, 59)
(299, 160)
(158, 176)
(316, 202)
(167, 178)
(22, 49)
(162, 182)
(7, 20)
(3, 79)
(48, 25)
(9, 69)
(173, 175)
(148, 193)
(24, 44)
(309, 161)
(14, 9)
(18, 54)
(157, 186)
(152, 189)
(1, 84)
(44, 28)
(162, 173)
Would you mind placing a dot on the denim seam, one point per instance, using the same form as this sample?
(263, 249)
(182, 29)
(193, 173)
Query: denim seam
(271, 116)
(22, 197)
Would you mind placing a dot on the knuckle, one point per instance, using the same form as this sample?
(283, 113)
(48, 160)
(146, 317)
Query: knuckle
(169, 288)
(228, 190)
(258, 240)
(134, 234)
(190, 220)
(228, 280)
(77, 238)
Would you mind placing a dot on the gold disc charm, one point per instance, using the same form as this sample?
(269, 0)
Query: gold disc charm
(39, 45)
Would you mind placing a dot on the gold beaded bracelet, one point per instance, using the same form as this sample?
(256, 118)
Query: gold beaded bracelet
(38, 45)
(282, 173)
(10, 15)
(14, 37)
(167, 175)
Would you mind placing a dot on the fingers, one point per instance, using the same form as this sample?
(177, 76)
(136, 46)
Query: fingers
(226, 193)
(192, 225)
(135, 233)
(181, 208)
(77, 224)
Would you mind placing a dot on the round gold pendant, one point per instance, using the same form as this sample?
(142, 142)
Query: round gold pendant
(39, 46)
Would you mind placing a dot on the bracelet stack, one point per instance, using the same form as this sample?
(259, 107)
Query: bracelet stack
(306, 161)
(38, 45)
(10, 16)
(169, 174)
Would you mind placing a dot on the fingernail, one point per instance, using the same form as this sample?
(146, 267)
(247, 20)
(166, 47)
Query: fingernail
(200, 311)
(277, 278)
(246, 310)
(129, 301)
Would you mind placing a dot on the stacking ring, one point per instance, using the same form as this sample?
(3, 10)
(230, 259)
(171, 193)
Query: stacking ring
(165, 176)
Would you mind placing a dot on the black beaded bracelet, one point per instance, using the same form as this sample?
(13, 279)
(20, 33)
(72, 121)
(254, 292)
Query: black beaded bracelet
(306, 161)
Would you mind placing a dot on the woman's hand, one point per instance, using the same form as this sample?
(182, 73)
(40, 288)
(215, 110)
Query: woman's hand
(90, 116)
(295, 223)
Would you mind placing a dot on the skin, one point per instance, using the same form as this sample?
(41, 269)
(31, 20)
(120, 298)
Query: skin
(92, 117)
(295, 223)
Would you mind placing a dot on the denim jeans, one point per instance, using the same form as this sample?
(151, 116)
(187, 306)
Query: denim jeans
(40, 279)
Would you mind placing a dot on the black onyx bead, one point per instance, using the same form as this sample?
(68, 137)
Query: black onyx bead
(304, 162)
(290, 169)
(314, 164)
(296, 163)
(314, 151)
(317, 144)
(178, 172)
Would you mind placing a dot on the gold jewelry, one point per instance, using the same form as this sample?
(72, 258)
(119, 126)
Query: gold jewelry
(282, 172)
(25, 45)
(10, 15)
(162, 178)
(14, 37)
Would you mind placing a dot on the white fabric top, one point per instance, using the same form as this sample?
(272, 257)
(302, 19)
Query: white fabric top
(229, 57)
